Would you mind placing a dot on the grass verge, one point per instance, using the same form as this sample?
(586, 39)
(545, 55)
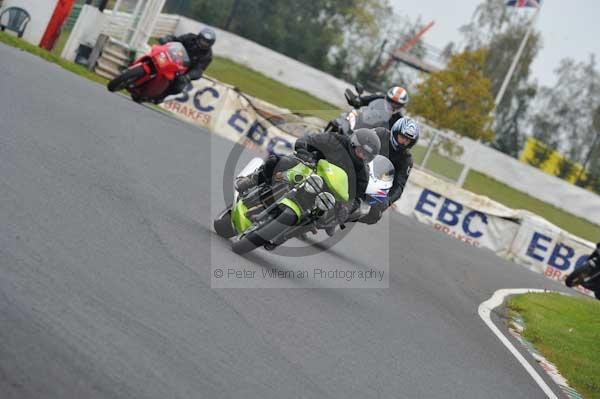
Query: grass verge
(438, 163)
(259, 85)
(60, 43)
(566, 330)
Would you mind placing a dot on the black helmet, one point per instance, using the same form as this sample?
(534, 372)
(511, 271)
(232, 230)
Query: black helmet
(206, 38)
(365, 144)
(407, 128)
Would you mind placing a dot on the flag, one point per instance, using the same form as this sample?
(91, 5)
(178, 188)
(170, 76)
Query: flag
(524, 3)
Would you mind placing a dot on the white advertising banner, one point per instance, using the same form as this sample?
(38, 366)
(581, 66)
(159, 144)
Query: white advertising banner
(200, 104)
(223, 110)
(517, 235)
(545, 248)
(472, 219)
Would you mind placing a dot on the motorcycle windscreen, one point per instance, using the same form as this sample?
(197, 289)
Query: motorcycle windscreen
(381, 179)
(335, 178)
(178, 54)
(374, 115)
(382, 169)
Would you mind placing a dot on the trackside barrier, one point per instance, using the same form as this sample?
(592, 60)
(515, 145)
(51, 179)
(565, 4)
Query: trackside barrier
(237, 117)
(517, 235)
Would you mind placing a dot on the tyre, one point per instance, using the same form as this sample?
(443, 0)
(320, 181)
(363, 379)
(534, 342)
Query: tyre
(223, 225)
(264, 234)
(136, 98)
(128, 77)
(576, 278)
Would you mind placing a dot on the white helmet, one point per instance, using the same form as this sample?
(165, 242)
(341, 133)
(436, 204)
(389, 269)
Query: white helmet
(397, 97)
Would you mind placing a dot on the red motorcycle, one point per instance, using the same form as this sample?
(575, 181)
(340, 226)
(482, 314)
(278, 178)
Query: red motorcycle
(150, 75)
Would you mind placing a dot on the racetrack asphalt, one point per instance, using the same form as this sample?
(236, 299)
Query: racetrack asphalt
(106, 255)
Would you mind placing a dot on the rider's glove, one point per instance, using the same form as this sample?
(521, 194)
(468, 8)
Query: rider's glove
(186, 79)
(166, 39)
(304, 155)
(332, 126)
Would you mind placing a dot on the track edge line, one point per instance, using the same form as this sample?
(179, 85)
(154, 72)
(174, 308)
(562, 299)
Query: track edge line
(485, 309)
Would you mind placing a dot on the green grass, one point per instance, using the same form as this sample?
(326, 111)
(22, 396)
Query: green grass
(437, 163)
(566, 330)
(13, 41)
(258, 85)
(481, 184)
(60, 43)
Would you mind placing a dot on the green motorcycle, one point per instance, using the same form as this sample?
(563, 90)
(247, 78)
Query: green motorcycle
(300, 199)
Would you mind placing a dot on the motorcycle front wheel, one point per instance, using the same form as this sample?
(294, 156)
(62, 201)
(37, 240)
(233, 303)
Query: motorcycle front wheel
(128, 77)
(266, 233)
(222, 224)
(577, 277)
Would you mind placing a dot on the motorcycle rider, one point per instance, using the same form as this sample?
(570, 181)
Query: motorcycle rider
(593, 284)
(396, 145)
(199, 49)
(351, 153)
(396, 98)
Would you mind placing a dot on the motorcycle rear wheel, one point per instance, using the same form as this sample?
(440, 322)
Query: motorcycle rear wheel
(125, 79)
(266, 233)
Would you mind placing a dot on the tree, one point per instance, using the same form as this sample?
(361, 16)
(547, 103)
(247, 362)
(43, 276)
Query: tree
(367, 54)
(459, 97)
(306, 31)
(354, 58)
(564, 114)
(349, 39)
(488, 20)
(512, 113)
(567, 117)
(592, 162)
(500, 29)
(510, 120)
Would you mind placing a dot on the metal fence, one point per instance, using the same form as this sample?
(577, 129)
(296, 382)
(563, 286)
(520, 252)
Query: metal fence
(441, 154)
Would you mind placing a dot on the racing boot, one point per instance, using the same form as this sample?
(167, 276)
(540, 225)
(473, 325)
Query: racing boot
(330, 231)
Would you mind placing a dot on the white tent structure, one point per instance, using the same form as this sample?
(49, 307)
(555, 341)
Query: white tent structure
(139, 18)
(130, 23)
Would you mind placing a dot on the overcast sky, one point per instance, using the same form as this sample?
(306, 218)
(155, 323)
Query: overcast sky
(569, 28)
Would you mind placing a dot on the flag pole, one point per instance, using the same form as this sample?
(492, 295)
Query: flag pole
(515, 61)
